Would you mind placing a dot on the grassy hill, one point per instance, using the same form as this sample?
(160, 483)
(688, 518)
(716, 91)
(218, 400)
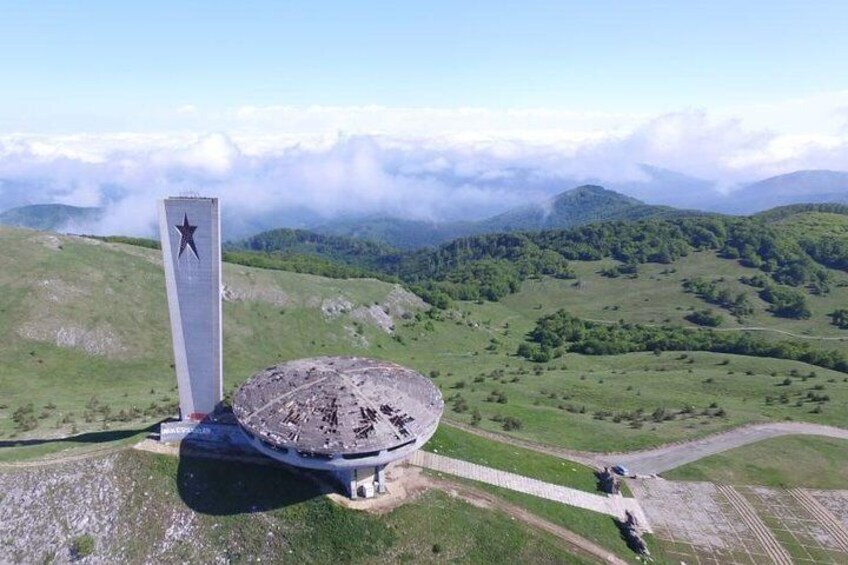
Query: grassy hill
(821, 229)
(783, 212)
(492, 266)
(85, 347)
(786, 462)
(50, 217)
(84, 327)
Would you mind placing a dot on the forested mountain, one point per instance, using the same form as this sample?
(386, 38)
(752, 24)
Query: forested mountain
(750, 241)
(820, 229)
(308, 252)
(575, 207)
(491, 266)
(50, 217)
(347, 250)
(790, 210)
(398, 232)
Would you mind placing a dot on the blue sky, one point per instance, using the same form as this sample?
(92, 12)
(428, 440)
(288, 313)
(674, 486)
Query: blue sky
(96, 62)
(420, 109)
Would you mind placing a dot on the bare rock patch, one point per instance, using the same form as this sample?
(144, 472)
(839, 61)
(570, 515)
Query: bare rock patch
(245, 293)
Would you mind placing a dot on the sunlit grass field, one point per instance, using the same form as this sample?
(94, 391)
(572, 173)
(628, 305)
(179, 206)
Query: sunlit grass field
(582, 402)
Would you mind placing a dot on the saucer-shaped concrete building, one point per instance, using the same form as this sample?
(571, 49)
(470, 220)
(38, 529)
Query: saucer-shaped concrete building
(349, 415)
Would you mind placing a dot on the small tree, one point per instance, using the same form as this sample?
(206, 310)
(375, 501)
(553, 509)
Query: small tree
(475, 417)
(82, 546)
(510, 423)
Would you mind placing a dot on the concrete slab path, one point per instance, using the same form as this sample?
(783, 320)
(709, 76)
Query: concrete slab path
(615, 506)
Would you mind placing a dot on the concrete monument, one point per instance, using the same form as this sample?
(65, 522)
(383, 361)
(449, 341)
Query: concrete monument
(191, 249)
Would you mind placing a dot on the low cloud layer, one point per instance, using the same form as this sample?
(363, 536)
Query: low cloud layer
(287, 164)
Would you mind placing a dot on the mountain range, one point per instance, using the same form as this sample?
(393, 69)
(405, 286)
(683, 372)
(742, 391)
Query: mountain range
(572, 208)
(793, 188)
(657, 192)
(52, 217)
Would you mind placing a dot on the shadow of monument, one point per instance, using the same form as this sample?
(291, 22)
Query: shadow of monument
(224, 478)
(89, 437)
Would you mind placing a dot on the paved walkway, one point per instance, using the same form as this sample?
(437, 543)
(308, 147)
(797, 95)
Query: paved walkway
(671, 456)
(611, 505)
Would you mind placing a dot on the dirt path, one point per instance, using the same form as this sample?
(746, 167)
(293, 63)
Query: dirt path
(575, 543)
(77, 455)
(739, 329)
(783, 332)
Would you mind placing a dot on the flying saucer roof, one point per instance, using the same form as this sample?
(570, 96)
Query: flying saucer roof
(338, 405)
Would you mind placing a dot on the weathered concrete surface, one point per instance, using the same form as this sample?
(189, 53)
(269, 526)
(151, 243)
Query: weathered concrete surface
(613, 506)
(762, 533)
(706, 523)
(338, 405)
(830, 523)
(671, 456)
(190, 232)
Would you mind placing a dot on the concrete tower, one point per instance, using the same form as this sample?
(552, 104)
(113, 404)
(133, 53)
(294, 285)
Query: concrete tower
(190, 233)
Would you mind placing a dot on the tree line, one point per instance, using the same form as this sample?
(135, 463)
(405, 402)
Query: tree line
(562, 332)
(491, 266)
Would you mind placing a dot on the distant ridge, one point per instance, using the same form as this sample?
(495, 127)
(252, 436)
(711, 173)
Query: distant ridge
(576, 207)
(781, 212)
(51, 217)
(793, 188)
(573, 208)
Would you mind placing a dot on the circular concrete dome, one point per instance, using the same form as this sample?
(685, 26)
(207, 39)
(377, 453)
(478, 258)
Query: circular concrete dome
(338, 412)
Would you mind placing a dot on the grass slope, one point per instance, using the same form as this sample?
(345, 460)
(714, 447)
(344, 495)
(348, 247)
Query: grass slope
(657, 296)
(81, 319)
(459, 444)
(785, 462)
(90, 319)
(193, 510)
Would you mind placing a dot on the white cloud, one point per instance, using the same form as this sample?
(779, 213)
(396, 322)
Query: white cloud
(417, 162)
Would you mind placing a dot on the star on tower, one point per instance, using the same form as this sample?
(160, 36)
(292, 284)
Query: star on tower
(187, 237)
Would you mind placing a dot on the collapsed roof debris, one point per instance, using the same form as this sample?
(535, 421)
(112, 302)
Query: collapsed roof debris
(337, 405)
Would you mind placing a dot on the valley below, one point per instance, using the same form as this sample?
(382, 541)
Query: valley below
(87, 373)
